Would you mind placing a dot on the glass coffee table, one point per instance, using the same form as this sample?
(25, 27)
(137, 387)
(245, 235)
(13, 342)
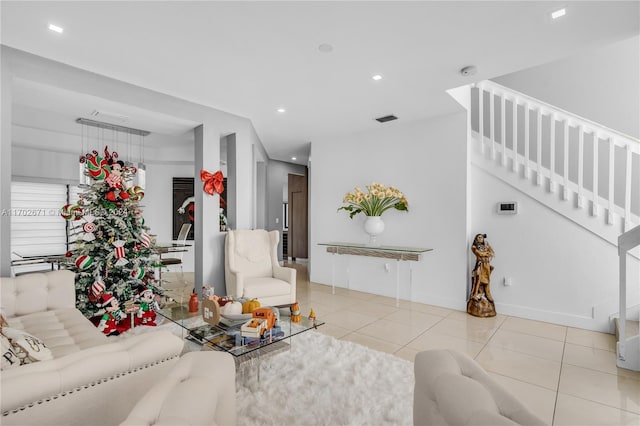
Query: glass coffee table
(226, 336)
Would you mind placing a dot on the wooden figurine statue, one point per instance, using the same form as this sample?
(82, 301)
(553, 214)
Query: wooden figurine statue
(480, 301)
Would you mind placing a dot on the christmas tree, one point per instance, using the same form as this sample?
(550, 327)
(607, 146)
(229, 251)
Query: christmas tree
(112, 250)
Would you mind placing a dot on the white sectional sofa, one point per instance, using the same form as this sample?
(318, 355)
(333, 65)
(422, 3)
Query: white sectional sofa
(92, 379)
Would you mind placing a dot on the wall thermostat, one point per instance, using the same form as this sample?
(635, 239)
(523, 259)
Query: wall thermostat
(508, 207)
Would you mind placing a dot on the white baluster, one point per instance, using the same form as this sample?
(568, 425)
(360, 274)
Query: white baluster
(481, 117)
(492, 134)
(627, 188)
(580, 164)
(526, 139)
(596, 150)
(552, 152)
(611, 193)
(515, 135)
(503, 124)
(539, 147)
(565, 191)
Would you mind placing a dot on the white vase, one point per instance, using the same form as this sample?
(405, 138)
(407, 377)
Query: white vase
(373, 226)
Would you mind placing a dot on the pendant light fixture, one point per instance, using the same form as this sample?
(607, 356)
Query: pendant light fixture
(142, 168)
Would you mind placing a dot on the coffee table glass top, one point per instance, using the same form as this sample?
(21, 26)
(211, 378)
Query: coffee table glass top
(226, 335)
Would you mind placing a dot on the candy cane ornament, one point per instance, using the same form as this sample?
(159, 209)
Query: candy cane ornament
(119, 253)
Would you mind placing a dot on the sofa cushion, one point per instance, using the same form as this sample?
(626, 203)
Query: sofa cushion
(255, 288)
(252, 253)
(64, 331)
(10, 357)
(453, 389)
(37, 292)
(28, 347)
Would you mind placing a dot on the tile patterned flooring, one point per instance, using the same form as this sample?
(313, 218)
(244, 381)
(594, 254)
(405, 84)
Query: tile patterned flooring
(567, 376)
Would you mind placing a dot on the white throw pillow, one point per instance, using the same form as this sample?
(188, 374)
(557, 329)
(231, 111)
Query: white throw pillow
(10, 357)
(33, 348)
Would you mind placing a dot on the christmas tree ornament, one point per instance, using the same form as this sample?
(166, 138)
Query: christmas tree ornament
(119, 253)
(89, 228)
(84, 261)
(96, 290)
(65, 212)
(111, 196)
(138, 273)
(136, 192)
(145, 239)
(97, 166)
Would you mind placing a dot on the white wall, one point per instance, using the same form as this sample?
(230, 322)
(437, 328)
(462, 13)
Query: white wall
(427, 161)
(560, 272)
(601, 85)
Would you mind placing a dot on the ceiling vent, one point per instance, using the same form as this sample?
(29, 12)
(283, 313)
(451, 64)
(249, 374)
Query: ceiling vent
(386, 118)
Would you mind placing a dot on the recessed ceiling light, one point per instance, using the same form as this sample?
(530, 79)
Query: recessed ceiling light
(281, 110)
(56, 28)
(325, 48)
(294, 158)
(559, 13)
(377, 77)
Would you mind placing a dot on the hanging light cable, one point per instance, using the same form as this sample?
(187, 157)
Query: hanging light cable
(142, 168)
(83, 181)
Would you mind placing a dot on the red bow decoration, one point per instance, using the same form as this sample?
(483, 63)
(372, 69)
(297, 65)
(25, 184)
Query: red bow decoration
(212, 182)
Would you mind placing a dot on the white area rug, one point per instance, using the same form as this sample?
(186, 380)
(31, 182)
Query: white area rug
(325, 381)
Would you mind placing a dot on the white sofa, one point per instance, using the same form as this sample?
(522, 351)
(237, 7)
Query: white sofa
(252, 269)
(92, 379)
(453, 389)
(199, 390)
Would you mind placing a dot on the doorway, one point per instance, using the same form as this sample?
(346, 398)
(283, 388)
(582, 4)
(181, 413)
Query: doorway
(297, 244)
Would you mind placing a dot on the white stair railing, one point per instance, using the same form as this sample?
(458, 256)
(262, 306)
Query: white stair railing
(627, 348)
(557, 133)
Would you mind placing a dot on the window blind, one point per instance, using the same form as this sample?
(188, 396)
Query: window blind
(36, 225)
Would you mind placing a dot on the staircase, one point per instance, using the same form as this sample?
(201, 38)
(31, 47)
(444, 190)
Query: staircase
(627, 335)
(584, 171)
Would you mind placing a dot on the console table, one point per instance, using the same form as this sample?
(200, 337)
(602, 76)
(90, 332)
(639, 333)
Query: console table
(386, 252)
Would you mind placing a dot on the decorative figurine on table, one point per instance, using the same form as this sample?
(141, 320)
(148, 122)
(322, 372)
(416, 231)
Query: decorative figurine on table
(295, 313)
(312, 317)
(110, 324)
(146, 299)
(480, 302)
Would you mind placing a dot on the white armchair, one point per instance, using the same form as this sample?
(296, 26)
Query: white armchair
(252, 269)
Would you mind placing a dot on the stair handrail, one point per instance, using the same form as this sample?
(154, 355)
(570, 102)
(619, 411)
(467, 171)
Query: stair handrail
(626, 242)
(589, 124)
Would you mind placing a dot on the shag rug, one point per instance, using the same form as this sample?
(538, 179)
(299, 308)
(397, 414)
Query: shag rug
(325, 381)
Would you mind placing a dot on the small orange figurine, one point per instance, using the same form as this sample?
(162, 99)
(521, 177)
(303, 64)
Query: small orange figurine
(295, 313)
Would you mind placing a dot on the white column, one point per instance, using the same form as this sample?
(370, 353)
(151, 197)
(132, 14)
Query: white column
(481, 117)
(5, 167)
(596, 146)
(515, 135)
(503, 124)
(565, 167)
(580, 165)
(611, 193)
(552, 152)
(539, 147)
(492, 126)
(208, 241)
(627, 187)
(527, 129)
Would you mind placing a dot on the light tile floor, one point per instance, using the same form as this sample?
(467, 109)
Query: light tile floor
(567, 376)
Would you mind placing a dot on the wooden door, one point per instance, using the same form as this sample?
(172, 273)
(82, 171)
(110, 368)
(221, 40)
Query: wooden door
(298, 234)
